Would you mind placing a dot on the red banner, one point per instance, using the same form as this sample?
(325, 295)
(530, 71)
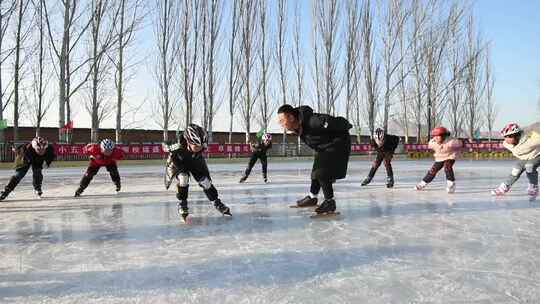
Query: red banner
(142, 149)
(480, 147)
(360, 147)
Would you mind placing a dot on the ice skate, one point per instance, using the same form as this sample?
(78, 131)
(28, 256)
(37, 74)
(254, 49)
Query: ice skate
(327, 208)
(366, 181)
(532, 190)
(420, 186)
(307, 201)
(38, 193)
(243, 179)
(78, 193)
(118, 188)
(501, 190)
(389, 182)
(222, 207)
(3, 195)
(183, 210)
(450, 186)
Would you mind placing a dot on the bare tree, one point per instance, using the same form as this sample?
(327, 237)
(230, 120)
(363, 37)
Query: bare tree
(130, 18)
(404, 115)
(328, 14)
(316, 69)
(394, 18)
(189, 40)
(266, 105)
(20, 36)
(64, 49)
(6, 92)
(234, 84)
(352, 54)
(251, 88)
(280, 56)
(371, 67)
(167, 33)
(212, 16)
(298, 63)
(39, 105)
(491, 107)
(474, 82)
(456, 101)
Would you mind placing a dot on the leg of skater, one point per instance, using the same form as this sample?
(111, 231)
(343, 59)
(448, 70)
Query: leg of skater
(115, 176)
(329, 204)
(182, 188)
(264, 165)
(14, 181)
(37, 178)
(531, 168)
(389, 171)
(252, 161)
(430, 175)
(517, 170)
(450, 178)
(86, 179)
(376, 164)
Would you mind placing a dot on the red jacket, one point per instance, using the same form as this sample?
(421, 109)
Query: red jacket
(98, 159)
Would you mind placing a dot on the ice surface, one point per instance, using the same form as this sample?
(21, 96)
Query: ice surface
(387, 246)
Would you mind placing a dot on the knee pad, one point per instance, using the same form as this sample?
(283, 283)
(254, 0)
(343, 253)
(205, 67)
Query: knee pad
(205, 183)
(529, 168)
(515, 171)
(183, 179)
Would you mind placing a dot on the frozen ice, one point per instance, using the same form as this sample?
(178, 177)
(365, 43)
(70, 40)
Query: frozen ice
(387, 246)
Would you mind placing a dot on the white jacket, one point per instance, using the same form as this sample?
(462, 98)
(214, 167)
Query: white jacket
(527, 148)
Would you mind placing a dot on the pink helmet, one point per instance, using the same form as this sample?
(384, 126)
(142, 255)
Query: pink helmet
(511, 129)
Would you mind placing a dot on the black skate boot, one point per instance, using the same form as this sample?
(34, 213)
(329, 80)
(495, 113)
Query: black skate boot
(389, 182)
(38, 192)
(327, 207)
(307, 201)
(3, 195)
(78, 192)
(183, 209)
(118, 187)
(243, 179)
(221, 207)
(366, 181)
(265, 179)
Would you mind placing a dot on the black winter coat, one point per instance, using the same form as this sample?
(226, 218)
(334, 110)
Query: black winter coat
(389, 144)
(26, 156)
(329, 137)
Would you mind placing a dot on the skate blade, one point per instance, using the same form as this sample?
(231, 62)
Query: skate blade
(302, 207)
(324, 215)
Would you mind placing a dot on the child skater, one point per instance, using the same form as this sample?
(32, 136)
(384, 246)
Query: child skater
(185, 159)
(526, 148)
(446, 150)
(258, 151)
(105, 154)
(385, 145)
(33, 155)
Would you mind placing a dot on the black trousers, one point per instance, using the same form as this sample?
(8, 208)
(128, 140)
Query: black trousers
(387, 158)
(437, 166)
(37, 177)
(92, 171)
(253, 159)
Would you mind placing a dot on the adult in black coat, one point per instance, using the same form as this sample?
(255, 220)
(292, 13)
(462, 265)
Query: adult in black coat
(385, 145)
(32, 154)
(329, 137)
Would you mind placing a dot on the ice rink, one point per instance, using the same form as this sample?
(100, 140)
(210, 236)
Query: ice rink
(387, 246)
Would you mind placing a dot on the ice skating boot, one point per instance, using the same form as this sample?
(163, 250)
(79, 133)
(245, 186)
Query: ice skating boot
(118, 188)
(183, 209)
(327, 206)
(450, 186)
(501, 190)
(38, 192)
(367, 181)
(78, 192)
(307, 201)
(420, 186)
(3, 195)
(243, 179)
(221, 207)
(390, 182)
(265, 179)
(532, 190)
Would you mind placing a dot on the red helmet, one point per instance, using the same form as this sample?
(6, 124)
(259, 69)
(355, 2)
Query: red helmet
(440, 131)
(511, 129)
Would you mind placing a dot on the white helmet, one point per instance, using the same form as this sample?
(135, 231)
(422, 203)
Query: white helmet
(195, 135)
(39, 143)
(106, 145)
(267, 137)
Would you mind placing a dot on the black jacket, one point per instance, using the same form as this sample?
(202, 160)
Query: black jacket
(322, 132)
(260, 148)
(26, 155)
(389, 144)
